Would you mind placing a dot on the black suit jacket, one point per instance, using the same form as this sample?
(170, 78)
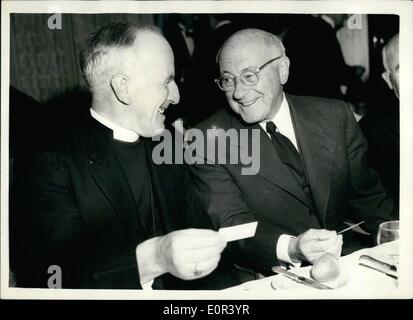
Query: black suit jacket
(342, 185)
(74, 210)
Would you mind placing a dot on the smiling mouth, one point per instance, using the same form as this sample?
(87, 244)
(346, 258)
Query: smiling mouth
(249, 103)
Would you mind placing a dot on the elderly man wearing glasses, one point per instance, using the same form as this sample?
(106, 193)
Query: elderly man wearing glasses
(312, 175)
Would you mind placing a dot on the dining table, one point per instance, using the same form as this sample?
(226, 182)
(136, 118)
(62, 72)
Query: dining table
(353, 276)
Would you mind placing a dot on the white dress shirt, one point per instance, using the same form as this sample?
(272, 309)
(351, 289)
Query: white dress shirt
(284, 126)
(283, 122)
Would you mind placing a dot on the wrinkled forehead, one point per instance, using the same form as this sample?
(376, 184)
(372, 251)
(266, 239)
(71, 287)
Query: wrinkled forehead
(245, 52)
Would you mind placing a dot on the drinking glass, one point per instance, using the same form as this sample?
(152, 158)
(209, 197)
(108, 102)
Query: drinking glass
(389, 231)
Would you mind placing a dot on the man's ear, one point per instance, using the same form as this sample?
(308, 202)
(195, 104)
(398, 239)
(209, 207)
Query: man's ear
(386, 77)
(284, 69)
(119, 84)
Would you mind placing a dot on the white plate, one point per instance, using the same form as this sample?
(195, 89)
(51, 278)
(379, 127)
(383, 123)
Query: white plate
(346, 280)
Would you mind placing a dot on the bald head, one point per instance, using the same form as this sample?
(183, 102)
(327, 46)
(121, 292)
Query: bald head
(252, 38)
(390, 55)
(254, 62)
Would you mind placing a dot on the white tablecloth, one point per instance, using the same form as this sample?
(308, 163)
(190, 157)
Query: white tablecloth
(352, 276)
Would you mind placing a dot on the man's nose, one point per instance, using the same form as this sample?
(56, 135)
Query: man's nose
(240, 90)
(173, 93)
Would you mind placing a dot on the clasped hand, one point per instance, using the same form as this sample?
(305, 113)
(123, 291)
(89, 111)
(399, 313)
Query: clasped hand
(313, 243)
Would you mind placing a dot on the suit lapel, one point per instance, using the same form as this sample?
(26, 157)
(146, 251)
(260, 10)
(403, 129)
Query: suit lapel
(110, 178)
(317, 149)
(271, 167)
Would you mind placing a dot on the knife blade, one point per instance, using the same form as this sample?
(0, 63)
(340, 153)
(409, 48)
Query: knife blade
(300, 279)
(378, 265)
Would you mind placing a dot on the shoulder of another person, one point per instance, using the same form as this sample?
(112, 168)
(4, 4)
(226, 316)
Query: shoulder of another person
(222, 119)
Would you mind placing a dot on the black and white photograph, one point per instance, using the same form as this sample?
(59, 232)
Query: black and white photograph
(206, 150)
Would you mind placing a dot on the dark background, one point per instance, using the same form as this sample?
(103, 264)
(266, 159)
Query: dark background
(49, 95)
(44, 62)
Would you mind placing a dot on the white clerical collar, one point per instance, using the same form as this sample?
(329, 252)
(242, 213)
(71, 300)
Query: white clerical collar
(119, 133)
(282, 116)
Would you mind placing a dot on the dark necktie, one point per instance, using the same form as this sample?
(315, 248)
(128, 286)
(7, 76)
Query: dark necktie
(291, 158)
(285, 149)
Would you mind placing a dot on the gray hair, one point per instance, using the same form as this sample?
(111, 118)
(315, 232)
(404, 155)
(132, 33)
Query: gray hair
(389, 50)
(95, 58)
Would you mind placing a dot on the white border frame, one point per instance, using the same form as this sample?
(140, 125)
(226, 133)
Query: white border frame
(402, 8)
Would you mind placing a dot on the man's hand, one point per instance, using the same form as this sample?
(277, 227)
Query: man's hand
(313, 243)
(191, 253)
(187, 254)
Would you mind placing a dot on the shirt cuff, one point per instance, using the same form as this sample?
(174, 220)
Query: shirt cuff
(147, 285)
(282, 250)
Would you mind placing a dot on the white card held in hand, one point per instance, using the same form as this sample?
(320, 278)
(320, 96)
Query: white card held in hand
(242, 231)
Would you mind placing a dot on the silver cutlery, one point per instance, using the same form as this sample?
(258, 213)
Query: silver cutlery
(373, 263)
(350, 227)
(300, 279)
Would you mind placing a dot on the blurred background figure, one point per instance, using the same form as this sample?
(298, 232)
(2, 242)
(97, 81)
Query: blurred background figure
(390, 55)
(317, 66)
(183, 32)
(195, 40)
(206, 69)
(188, 35)
(381, 128)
